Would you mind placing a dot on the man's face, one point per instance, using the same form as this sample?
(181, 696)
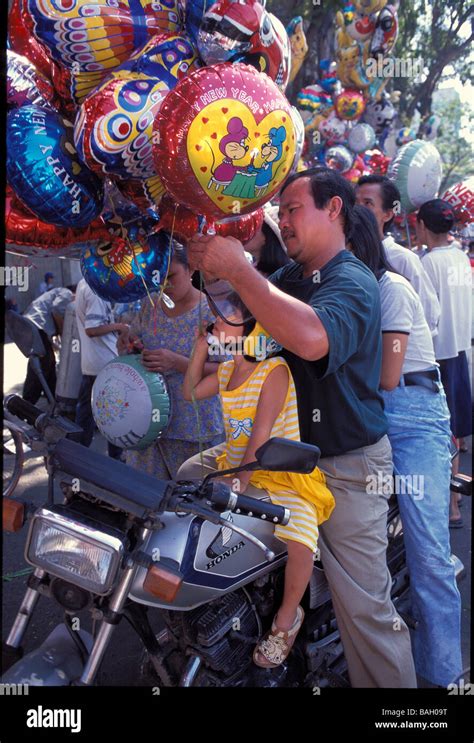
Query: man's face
(370, 195)
(304, 228)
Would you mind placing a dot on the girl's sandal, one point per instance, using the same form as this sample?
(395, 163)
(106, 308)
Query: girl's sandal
(275, 647)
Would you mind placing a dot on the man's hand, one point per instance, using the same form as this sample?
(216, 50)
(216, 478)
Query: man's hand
(123, 341)
(160, 360)
(217, 257)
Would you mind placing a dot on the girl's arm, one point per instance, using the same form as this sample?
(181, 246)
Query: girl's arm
(196, 385)
(393, 355)
(270, 404)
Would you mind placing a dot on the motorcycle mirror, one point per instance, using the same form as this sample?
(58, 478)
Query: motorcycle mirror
(25, 334)
(284, 455)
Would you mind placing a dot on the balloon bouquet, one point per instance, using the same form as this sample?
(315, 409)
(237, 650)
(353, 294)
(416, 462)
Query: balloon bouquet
(130, 118)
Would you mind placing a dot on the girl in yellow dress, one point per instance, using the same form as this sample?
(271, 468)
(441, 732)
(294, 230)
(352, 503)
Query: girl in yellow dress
(259, 401)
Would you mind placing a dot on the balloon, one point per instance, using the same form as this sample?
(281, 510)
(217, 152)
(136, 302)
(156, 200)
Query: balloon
(357, 26)
(246, 32)
(379, 114)
(329, 80)
(194, 13)
(367, 7)
(417, 171)
(114, 128)
(349, 105)
(333, 129)
(225, 141)
(146, 194)
(45, 172)
(351, 66)
(377, 162)
(405, 135)
(131, 263)
(313, 99)
(31, 236)
(385, 34)
(461, 198)
(26, 85)
(130, 405)
(361, 137)
(184, 223)
(298, 43)
(300, 135)
(90, 39)
(431, 127)
(339, 158)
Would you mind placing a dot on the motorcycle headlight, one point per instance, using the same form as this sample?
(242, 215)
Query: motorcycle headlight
(82, 552)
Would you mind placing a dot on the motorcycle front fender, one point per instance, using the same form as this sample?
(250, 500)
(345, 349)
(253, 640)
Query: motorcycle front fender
(56, 662)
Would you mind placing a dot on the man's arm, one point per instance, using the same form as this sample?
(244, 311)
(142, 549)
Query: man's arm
(292, 323)
(114, 327)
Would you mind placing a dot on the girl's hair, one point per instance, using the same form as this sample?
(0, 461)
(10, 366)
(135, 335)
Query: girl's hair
(179, 253)
(366, 243)
(273, 255)
(437, 215)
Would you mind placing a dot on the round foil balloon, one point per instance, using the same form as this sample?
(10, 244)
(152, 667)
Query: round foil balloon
(128, 266)
(225, 140)
(349, 105)
(417, 171)
(130, 405)
(333, 129)
(92, 38)
(339, 158)
(461, 198)
(26, 85)
(245, 32)
(361, 137)
(45, 172)
(145, 194)
(405, 135)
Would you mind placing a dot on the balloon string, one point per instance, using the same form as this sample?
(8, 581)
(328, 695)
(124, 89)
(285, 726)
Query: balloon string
(193, 384)
(134, 258)
(163, 283)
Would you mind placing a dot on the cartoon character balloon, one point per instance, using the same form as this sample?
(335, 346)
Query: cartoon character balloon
(298, 43)
(114, 128)
(235, 31)
(226, 140)
(90, 39)
(417, 171)
(129, 265)
(357, 26)
(385, 34)
(349, 105)
(379, 114)
(45, 172)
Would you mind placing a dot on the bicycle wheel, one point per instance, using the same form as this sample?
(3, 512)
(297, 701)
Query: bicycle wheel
(13, 459)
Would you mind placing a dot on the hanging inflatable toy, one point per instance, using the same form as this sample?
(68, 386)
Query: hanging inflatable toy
(299, 45)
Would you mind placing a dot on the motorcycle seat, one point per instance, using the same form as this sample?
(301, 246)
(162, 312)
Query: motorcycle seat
(133, 491)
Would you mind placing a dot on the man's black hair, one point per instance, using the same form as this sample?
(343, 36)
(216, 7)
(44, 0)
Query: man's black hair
(72, 288)
(325, 184)
(366, 243)
(437, 215)
(390, 193)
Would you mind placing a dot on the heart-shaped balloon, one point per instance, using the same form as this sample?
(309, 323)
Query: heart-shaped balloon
(92, 38)
(45, 172)
(225, 140)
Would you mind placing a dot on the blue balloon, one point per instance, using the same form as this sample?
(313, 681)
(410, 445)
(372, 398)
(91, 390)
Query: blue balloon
(45, 172)
(194, 13)
(132, 265)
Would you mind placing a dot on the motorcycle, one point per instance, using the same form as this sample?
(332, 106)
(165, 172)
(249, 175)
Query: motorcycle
(119, 543)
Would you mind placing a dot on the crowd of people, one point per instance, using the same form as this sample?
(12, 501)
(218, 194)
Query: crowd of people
(364, 355)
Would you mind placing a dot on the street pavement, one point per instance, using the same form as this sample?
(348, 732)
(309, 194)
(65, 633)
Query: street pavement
(121, 664)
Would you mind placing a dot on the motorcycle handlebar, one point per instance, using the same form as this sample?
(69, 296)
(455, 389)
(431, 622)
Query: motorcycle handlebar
(23, 409)
(224, 498)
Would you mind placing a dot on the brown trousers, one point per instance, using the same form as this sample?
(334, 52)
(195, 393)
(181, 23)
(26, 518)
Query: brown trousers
(353, 544)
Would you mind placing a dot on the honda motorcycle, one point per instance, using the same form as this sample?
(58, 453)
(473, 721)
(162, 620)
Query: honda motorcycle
(119, 543)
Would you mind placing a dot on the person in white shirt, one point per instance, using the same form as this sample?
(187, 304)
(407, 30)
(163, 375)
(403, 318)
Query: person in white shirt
(418, 430)
(98, 337)
(379, 194)
(47, 284)
(450, 272)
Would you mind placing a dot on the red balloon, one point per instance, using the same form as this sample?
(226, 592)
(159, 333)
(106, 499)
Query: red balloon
(461, 198)
(224, 140)
(24, 42)
(31, 236)
(184, 223)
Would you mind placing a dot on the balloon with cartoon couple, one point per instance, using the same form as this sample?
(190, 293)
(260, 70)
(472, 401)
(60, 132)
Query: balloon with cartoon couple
(226, 140)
